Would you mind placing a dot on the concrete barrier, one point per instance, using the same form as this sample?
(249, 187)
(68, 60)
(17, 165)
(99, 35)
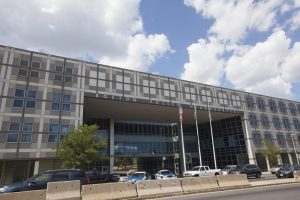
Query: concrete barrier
(109, 191)
(32, 195)
(192, 184)
(158, 187)
(65, 190)
(233, 180)
(297, 176)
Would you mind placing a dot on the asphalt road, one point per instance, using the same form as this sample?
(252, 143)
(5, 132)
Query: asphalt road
(278, 192)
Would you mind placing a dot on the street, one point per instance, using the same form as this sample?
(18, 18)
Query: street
(278, 192)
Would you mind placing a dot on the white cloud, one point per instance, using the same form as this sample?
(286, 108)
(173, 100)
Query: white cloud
(205, 64)
(259, 63)
(142, 51)
(275, 86)
(233, 19)
(100, 28)
(294, 21)
(291, 64)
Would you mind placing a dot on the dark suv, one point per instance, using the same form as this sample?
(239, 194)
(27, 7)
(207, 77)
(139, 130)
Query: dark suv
(39, 181)
(287, 171)
(249, 169)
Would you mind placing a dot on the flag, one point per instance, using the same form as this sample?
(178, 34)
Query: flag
(180, 113)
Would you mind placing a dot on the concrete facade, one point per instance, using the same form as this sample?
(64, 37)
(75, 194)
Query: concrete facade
(42, 96)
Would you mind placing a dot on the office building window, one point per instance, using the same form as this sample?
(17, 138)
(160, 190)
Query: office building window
(253, 120)
(31, 95)
(296, 124)
(69, 72)
(249, 102)
(276, 122)
(286, 123)
(289, 140)
(34, 69)
(66, 103)
(64, 131)
(53, 129)
(13, 127)
(12, 137)
(282, 107)
(56, 101)
(273, 106)
(264, 120)
(64, 128)
(257, 140)
(17, 101)
(27, 127)
(26, 135)
(298, 108)
(268, 137)
(23, 71)
(24, 63)
(293, 109)
(261, 103)
(280, 140)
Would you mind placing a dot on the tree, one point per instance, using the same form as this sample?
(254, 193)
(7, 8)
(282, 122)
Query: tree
(81, 147)
(270, 151)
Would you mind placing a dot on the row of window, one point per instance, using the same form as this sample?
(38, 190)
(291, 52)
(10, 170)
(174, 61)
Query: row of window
(31, 100)
(281, 139)
(35, 73)
(277, 123)
(261, 105)
(27, 132)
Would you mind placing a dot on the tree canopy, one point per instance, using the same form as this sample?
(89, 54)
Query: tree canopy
(270, 150)
(81, 148)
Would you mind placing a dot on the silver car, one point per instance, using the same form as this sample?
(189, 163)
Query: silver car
(164, 174)
(226, 169)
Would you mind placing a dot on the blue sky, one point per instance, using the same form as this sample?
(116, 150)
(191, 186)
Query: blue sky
(250, 45)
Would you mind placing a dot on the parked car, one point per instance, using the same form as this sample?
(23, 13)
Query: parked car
(202, 171)
(249, 169)
(273, 170)
(123, 177)
(164, 174)
(40, 181)
(97, 177)
(287, 171)
(227, 169)
(139, 176)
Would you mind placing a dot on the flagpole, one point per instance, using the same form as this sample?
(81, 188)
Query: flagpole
(198, 139)
(212, 136)
(182, 140)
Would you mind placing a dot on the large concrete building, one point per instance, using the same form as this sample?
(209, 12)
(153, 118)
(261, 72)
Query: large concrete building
(42, 96)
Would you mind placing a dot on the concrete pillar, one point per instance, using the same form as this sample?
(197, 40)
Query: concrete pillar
(36, 167)
(252, 159)
(268, 164)
(111, 146)
(279, 160)
(290, 158)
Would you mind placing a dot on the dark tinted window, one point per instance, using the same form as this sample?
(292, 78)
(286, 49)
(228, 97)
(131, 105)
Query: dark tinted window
(60, 176)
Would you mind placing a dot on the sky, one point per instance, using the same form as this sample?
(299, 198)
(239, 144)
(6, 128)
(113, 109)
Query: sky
(248, 45)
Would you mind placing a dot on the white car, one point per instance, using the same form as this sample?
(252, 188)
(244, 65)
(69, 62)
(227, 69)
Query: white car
(164, 174)
(202, 171)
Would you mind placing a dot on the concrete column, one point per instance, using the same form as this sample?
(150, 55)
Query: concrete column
(252, 159)
(279, 160)
(36, 167)
(268, 164)
(290, 158)
(111, 146)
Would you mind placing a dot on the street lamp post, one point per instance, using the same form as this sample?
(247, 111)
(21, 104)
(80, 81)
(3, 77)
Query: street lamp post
(293, 140)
